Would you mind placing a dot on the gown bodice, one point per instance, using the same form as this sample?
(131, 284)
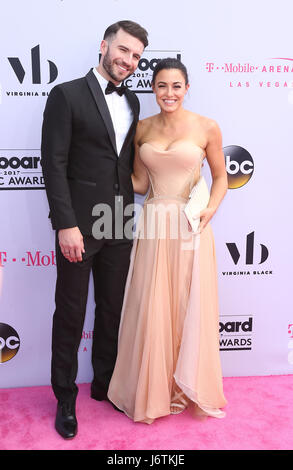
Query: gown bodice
(172, 172)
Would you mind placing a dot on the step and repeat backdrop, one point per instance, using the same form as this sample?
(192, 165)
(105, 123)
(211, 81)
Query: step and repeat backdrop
(240, 64)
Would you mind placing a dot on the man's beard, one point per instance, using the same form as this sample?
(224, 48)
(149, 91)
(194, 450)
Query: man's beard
(107, 64)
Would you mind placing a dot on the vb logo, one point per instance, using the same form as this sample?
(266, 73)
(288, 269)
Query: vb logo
(239, 166)
(36, 67)
(9, 342)
(235, 254)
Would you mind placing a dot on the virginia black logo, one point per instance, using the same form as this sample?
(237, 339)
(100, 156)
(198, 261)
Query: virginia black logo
(9, 342)
(36, 67)
(239, 166)
(249, 255)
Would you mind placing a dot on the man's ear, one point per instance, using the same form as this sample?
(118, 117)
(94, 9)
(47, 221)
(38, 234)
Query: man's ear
(104, 47)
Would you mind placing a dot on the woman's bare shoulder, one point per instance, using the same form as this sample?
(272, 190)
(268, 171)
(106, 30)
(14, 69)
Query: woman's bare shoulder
(145, 123)
(144, 127)
(209, 126)
(204, 121)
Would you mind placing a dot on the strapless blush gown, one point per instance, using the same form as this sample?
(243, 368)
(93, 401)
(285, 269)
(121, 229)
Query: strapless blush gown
(168, 348)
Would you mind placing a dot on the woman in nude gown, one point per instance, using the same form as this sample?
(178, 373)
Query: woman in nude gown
(168, 350)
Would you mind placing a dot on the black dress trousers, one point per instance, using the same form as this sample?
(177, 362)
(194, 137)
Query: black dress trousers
(109, 262)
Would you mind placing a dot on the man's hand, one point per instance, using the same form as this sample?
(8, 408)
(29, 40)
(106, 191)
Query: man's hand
(71, 244)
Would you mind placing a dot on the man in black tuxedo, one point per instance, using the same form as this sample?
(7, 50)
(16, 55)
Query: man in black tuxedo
(87, 159)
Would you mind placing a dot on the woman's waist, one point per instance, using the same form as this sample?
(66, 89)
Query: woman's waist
(166, 198)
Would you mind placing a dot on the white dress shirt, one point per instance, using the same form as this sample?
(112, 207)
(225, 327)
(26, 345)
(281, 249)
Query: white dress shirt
(119, 109)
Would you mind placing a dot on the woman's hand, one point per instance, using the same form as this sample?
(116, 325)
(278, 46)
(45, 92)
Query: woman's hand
(205, 217)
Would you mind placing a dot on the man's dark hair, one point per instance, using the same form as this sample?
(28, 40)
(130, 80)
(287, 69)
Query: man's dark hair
(129, 27)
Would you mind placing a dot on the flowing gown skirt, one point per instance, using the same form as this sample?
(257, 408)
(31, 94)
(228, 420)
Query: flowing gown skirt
(169, 331)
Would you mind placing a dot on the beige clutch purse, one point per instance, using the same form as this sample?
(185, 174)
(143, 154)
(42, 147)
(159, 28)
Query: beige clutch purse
(198, 200)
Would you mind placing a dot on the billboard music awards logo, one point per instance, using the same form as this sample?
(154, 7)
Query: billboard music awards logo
(9, 342)
(236, 332)
(37, 71)
(20, 169)
(239, 166)
(251, 254)
(140, 80)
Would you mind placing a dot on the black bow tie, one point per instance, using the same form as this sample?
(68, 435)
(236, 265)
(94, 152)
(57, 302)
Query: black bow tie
(110, 88)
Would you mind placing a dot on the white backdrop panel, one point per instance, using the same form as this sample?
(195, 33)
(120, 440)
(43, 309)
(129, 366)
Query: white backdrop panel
(254, 110)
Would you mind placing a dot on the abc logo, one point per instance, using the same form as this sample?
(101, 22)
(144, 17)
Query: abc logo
(239, 166)
(9, 342)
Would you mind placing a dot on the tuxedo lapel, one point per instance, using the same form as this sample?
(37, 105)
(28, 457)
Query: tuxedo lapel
(102, 106)
(134, 104)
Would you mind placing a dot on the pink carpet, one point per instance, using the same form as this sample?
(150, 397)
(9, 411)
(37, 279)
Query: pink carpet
(259, 417)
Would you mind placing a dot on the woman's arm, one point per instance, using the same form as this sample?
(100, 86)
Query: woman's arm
(216, 161)
(140, 177)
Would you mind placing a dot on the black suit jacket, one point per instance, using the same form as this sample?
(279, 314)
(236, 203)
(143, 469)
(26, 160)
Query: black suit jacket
(79, 158)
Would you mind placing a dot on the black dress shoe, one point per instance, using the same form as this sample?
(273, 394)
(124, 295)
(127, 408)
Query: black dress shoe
(66, 422)
(97, 394)
(100, 396)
